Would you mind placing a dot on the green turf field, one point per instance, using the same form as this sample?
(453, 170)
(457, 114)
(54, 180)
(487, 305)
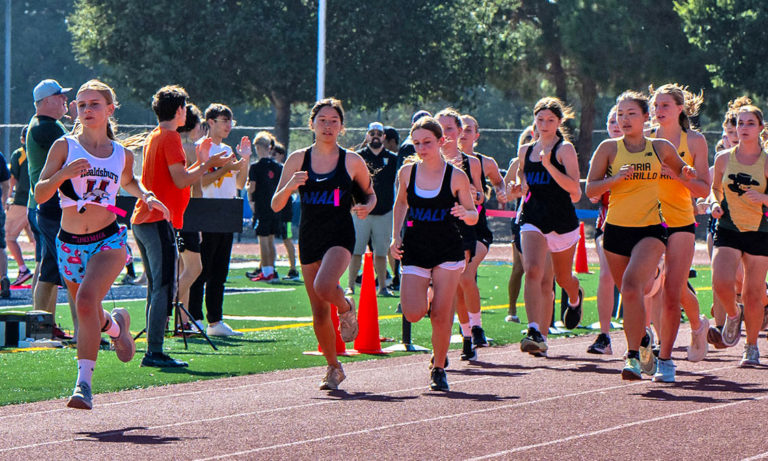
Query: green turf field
(267, 345)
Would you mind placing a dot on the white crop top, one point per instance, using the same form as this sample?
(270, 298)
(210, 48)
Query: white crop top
(100, 184)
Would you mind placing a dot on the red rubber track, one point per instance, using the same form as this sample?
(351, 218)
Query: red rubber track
(508, 405)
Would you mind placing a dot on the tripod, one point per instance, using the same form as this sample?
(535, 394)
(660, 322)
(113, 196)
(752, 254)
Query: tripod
(178, 308)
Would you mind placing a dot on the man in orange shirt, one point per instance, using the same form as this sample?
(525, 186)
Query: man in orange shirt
(164, 172)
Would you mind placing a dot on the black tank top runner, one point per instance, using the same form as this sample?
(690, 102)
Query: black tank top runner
(468, 234)
(482, 229)
(549, 206)
(431, 232)
(326, 200)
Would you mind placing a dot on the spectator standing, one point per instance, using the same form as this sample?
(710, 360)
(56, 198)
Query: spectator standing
(44, 128)
(165, 173)
(223, 182)
(16, 217)
(377, 226)
(263, 177)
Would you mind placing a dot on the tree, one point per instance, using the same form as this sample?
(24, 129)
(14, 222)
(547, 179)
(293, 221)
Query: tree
(594, 48)
(729, 37)
(264, 52)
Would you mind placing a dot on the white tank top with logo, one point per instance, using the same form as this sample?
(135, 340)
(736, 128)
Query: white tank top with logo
(101, 183)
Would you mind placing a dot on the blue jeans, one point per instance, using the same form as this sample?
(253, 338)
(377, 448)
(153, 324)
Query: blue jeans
(157, 244)
(32, 218)
(49, 266)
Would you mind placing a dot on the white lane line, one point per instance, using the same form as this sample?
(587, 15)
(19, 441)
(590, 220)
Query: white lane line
(617, 428)
(221, 418)
(258, 318)
(760, 456)
(267, 383)
(456, 415)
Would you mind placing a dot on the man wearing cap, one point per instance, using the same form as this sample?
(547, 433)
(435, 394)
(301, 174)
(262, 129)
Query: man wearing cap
(377, 227)
(44, 128)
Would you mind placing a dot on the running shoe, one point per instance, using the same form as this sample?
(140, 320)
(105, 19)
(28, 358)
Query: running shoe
(631, 371)
(647, 358)
(293, 274)
(751, 357)
(468, 351)
(602, 345)
(715, 337)
(221, 329)
(438, 380)
(265, 278)
(348, 322)
(478, 337)
(5, 288)
(572, 316)
(732, 328)
(253, 274)
(512, 318)
(160, 360)
(333, 377)
(58, 333)
(81, 398)
(124, 346)
(699, 347)
(533, 342)
(665, 372)
(24, 275)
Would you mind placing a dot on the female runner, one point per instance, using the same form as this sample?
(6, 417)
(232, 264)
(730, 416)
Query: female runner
(435, 195)
(88, 168)
(549, 228)
(633, 240)
(739, 185)
(324, 174)
(468, 295)
(673, 105)
(605, 285)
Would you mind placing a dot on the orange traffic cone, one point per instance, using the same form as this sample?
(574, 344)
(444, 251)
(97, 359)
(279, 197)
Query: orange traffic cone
(368, 340)
(581, 252)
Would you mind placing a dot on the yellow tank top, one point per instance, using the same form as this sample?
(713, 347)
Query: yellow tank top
(739, 213)
(634, 202)
(676, 202)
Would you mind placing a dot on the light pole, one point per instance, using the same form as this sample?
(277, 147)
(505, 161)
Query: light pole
(7, 98)
(320, 49)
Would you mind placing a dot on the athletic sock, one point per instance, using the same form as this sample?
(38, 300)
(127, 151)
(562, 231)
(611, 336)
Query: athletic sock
(573, 304)
(113, 329)
(475, 319)
(633, 355)
(466, 329)
(85, 371)
(267, 271)
(534, 325)
(23, 268)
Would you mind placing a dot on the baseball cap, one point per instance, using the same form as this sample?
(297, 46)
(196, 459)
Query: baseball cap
(418, 115)
(47, 88)
(376, 126)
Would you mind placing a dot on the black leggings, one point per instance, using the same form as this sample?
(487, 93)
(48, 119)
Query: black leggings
(215, 253)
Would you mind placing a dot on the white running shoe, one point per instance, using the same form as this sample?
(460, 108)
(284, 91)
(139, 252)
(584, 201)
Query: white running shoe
(699, 346)
(751, 357)
(333, 377)
(348, 322)
(732, 328)
(221, 329)
(647, 358)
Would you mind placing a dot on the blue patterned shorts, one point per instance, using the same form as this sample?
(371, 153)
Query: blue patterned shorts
(74, 251)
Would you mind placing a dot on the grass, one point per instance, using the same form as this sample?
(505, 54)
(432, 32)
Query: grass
(33, 375)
